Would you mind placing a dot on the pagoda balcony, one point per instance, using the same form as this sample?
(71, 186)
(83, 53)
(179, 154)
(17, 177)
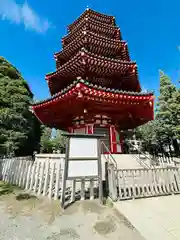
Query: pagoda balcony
(86, 64)
(96, 44)
(88, 13)
(93, 26)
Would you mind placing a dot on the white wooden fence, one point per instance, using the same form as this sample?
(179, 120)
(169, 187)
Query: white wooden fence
(139, 183)
(43, 177)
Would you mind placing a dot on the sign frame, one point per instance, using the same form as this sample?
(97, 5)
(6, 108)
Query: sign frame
(80, 178)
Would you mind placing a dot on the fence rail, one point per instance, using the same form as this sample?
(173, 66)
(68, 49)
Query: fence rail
(139, 183)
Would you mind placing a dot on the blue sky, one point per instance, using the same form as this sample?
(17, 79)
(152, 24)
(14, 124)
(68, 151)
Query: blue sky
(31, 31)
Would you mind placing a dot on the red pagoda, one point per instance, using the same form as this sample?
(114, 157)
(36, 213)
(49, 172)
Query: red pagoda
(95, 88)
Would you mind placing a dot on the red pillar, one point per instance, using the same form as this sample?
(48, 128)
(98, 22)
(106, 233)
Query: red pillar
(113, 142)
(71, 129)
(89, 128)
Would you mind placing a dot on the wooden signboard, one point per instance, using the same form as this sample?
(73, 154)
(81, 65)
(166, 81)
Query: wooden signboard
(83, 160)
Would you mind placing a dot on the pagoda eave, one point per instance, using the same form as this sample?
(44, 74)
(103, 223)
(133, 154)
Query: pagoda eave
(79, 97)
(96, 44)
(93, 26)
(57, 84)
(88, 13)
(84, 59)
(89, 64)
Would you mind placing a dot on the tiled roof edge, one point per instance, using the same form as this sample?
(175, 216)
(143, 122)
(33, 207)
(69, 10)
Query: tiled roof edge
(94, 86)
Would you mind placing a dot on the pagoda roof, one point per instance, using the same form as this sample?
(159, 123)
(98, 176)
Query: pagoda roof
(94, 26)
(96, 44)
(71, 102)
(95, 15)
(85, 83)
(86, 63)
(102, 66)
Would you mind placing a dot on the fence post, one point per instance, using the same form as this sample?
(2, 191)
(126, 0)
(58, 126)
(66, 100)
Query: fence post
(41, 178)
(106, 185)
(112, 182)
(28, 175)
(51, 183)
(82, 189)
(1, 169)
(73, 190)
(58, 169)
(20, 172)
(91, 189)
(37, 176)
(46, 180)
(32, 176)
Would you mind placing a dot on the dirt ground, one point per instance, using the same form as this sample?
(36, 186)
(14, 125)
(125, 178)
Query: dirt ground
(40, 219)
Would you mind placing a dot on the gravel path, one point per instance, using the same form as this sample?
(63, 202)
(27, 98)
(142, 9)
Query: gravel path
(39, 219)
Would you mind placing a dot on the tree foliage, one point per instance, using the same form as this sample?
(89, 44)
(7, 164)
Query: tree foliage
(174, 105)
(147, 132)
(164, 112)
(45, 142)
(59, 141)
(165, 129)
(51, 143)
(19, 129)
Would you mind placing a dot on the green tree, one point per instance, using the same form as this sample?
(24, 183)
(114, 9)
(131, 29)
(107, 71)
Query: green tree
(164, 113)
(174, 106)
(51, 143)
(165, 129)
(19, 129)
(168, 110)
(59, 141)
(147, 132)
(46, 140)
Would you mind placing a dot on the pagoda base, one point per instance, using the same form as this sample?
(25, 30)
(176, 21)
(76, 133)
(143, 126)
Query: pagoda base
(113, 142)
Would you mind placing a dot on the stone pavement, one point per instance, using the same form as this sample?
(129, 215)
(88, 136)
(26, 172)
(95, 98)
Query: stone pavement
(155, 218)
(40, 219)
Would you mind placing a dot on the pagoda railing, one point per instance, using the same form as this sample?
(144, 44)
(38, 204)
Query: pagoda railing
(109, 157)
(111, 160)
(140, 159)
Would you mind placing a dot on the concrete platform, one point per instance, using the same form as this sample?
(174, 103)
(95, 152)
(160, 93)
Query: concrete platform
(155, 218)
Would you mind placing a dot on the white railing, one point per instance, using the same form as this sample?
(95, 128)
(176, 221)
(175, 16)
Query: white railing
(47, 156)
(139, 158)
(149, 161)
(141, 161)
(139, 183)
(109, 157)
